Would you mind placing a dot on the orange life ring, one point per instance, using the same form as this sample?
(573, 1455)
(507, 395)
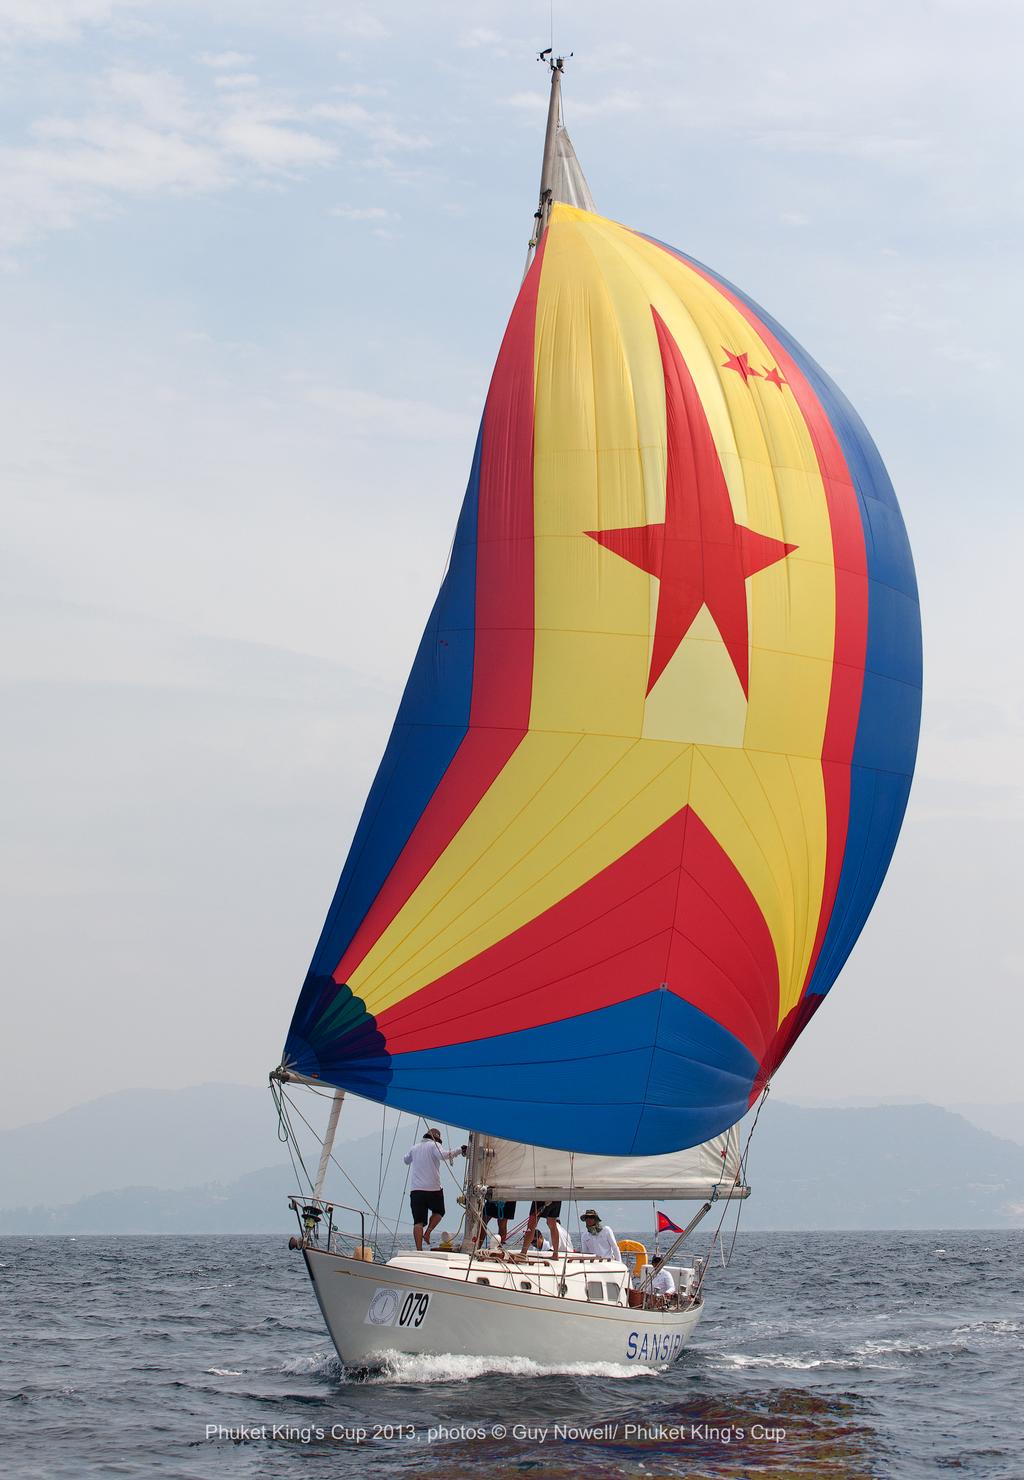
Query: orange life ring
(633, 1252)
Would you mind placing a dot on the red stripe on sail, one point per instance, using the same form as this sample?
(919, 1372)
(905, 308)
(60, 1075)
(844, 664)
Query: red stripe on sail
(503, 636)
(851, 622)
(609, 941)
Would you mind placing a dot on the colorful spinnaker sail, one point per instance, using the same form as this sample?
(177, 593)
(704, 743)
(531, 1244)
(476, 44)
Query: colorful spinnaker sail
(654, 752)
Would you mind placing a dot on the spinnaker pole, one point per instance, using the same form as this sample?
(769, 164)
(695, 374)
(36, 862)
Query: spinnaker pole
(329, 1134)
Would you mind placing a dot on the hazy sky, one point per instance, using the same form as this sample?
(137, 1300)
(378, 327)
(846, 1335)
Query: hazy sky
(256, 269)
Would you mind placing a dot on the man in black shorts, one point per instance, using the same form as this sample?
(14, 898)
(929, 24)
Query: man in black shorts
(552, 1211)
(504, 1212)
(425, 1195)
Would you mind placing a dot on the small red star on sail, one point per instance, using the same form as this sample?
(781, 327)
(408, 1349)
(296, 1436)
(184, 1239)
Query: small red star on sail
(699, 555)
(740, 364)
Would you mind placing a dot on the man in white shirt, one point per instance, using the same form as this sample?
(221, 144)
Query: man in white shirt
(598, 1238)
(662, 1282)
(425, 1195)
(540, 1245)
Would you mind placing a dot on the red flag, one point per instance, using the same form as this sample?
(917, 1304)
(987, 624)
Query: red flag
(665, 1225)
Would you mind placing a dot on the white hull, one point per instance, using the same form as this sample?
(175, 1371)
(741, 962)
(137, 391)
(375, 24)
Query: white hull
(375, 1309)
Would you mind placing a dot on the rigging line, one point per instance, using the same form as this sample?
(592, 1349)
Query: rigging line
(563, 1283)
(740, 1173)
(333, 1158)
(459, 1183)
(380, 1171)
(727, 1258)
(290, 1141)
(295, 1170)
(405, 1184)
(387, 1168)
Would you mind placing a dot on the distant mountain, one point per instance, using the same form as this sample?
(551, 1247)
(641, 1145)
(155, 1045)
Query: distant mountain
(170, 1138)
(890, 1166)
(163, 1138)
(1000, 1120)
(255, 1203)
(1004, 1120)
(893, 1166)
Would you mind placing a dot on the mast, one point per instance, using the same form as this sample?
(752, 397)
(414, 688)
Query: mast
(472, 1201)
(547, 168)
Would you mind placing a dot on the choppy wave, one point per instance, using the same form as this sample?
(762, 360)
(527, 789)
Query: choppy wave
(189, 1331)
(316, 1364)
(905, 1348)
(1007, 1327)
(398, 1368)
(793, 1363)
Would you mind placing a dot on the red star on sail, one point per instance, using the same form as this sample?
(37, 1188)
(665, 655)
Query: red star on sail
(699, 555)
(740, 364)
(774, 376)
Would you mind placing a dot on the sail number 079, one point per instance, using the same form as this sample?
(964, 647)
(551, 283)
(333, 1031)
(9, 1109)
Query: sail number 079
(413, 1309)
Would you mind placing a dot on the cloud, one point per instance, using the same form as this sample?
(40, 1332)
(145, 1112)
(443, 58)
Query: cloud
(482, 38)
(378, 128)
(376, 218)
(79, 167)
(236, 79)
(528, 102)
(225, 59)
(851, 143)
(362, 25)
(143, 133)
(264, 140)
(363, 213)
(57, 20)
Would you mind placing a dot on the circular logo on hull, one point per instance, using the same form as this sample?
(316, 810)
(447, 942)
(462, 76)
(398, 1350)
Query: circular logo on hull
(383, 1308)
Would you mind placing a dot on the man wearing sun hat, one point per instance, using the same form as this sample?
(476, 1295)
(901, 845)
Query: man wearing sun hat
(425, 1195)
(597, 1237)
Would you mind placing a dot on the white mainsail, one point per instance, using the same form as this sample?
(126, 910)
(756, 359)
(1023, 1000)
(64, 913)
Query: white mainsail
(511, 1169)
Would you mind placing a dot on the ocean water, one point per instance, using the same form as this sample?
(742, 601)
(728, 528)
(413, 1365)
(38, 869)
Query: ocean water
(840, 1354)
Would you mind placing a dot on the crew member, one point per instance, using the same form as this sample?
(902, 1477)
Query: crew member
(539, 1244)
(597, 1237)
(662, 1282)
(550, 1212)
(425, 1195)
(504, 1212)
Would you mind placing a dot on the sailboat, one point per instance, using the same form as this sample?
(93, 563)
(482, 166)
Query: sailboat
(642, 789)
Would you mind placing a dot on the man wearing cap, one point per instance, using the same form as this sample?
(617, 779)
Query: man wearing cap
(598, 1238)
(425, 1195)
